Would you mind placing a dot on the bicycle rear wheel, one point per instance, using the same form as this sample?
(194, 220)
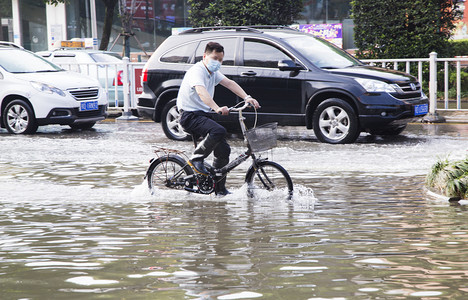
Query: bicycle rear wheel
(168, 172)
(270, 179)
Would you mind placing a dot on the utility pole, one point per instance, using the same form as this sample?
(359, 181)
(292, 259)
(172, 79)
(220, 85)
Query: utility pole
(94, 24)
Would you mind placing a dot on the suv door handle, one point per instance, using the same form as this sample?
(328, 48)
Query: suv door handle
(249, 73)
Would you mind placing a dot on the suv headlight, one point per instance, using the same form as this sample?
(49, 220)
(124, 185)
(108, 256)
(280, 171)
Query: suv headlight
(371, 85)
(42, 87)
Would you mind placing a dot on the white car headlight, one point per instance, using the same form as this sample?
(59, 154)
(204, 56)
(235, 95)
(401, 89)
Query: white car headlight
(371, 85)
(42, 87)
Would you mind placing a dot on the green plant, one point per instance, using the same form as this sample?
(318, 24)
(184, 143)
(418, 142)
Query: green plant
(449, 178)
(452, 82)
(403, 29)
(459, 47)
(241, 12)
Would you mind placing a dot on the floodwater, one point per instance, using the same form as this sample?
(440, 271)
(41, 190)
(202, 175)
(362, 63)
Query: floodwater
(77, 221)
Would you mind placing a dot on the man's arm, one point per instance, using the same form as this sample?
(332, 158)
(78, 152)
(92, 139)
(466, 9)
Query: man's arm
(206, 98)
(236, 89)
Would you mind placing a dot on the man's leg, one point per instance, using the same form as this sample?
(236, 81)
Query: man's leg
(204, 148)
(213, 133)
(221, 158)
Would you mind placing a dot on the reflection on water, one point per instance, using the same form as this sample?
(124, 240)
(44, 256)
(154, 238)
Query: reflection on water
(77, 222)
(352, 244)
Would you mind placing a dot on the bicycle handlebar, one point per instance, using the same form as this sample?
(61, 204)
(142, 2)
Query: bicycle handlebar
(241, 118)
(234, 108)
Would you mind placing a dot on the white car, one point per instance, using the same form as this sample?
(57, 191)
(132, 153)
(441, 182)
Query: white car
(106, 66)
(36, 92)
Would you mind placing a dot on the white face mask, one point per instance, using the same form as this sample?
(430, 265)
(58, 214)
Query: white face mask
(213, 65)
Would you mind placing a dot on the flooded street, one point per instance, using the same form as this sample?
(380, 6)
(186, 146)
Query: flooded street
(77, 221)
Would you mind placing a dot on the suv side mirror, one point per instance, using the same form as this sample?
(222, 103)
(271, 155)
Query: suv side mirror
(288, 65)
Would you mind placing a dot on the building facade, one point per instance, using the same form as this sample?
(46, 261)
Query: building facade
(37, 26)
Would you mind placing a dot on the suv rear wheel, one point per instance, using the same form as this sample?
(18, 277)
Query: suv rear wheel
(19, 118)
(335, 122)
(170, 122)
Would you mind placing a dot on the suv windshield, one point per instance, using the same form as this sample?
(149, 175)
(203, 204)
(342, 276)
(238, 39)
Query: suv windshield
(322, 53)
(20, 61)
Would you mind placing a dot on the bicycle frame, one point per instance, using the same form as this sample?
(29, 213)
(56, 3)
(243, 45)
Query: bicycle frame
(243, 157)
(231, 165)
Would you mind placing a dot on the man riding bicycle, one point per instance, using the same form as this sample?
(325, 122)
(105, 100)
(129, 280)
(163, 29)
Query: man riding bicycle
(195, 100)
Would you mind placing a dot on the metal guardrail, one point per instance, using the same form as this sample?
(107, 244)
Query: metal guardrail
(109, 75)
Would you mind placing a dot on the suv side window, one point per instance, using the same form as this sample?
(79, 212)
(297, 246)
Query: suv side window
(179, 55)
(261, 54)
(229, 50)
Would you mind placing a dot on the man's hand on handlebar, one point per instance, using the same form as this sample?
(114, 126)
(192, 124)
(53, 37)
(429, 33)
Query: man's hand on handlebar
(253, 102)
(223, 110)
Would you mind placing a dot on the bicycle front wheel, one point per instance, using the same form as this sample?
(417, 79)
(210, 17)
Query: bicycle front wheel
(270, 179)
(168, 172)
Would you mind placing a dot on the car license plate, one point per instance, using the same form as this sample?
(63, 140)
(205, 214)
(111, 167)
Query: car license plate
(89, 105)
(421, 109)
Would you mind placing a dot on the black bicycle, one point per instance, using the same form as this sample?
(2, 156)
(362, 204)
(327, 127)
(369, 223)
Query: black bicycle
(170, 168)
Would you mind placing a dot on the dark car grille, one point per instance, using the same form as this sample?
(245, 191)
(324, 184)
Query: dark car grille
(85, 94)
(409, 90)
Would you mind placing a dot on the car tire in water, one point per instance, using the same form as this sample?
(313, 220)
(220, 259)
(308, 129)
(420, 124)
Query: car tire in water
(162, 170)
(170, 122)
(269, 179)
(88, 125)
(335, 122)
(19, 118)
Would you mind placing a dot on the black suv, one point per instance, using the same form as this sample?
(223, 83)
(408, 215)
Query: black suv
(298, 79)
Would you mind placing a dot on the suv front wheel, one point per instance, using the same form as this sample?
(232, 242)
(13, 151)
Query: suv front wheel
(19, 118)
(170, 122)
(335, 122)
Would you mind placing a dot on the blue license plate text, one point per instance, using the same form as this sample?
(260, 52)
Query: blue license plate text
(421, 109)
(89, 105)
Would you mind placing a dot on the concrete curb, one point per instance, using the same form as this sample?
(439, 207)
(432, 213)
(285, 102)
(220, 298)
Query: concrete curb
(454, 116)
(440, 197)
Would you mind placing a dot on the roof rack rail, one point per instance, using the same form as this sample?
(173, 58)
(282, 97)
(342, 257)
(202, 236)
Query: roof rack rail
(250, 28)
(202, 29)
(271, 27)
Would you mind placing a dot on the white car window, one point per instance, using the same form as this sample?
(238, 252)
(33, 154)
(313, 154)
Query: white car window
(105, 58)
(67, 62)
(20, 61)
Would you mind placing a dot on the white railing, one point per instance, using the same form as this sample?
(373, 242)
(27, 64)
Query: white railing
(105, 73)
(121, 81)
(415, 67)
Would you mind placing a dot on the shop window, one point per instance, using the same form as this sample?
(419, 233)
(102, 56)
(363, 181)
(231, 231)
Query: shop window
(33, 24)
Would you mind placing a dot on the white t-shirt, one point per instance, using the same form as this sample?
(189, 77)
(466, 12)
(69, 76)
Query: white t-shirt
(188, 99)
